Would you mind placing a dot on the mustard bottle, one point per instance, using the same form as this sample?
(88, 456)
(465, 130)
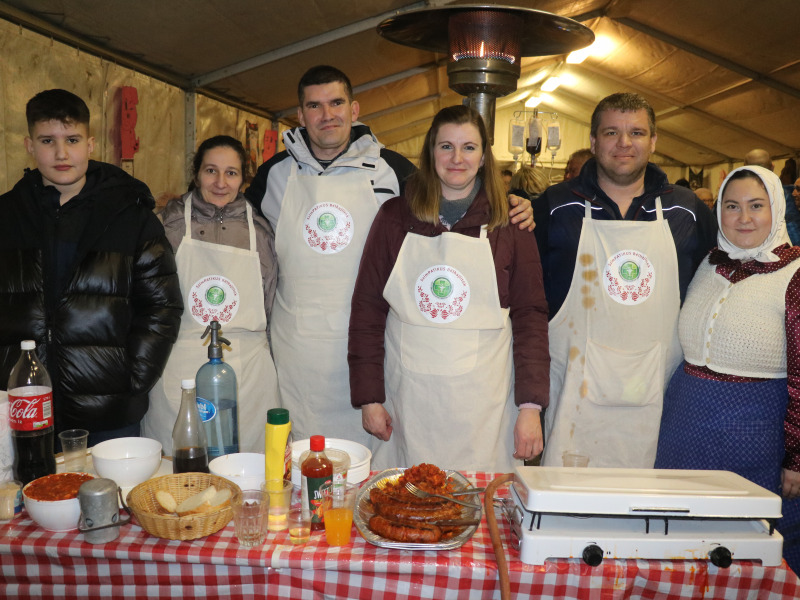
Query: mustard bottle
(278, 445)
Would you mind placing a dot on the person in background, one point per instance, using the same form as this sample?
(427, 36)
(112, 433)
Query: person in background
(761, 158)
(575, 163)
(683, 182)
(734, 404)
(87, 273)
(706, 196)
(320, 195)
(619, 246)
(221, 245)
(529, 182)
(507, 176)
(788, 172)
(796, 194)
(443, 282)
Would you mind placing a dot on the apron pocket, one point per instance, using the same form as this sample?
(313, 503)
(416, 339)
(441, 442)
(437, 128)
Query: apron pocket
(437, 350)
(322, 324)
(623, 378)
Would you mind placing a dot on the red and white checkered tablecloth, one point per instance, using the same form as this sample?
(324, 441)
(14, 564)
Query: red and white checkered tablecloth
(38, 563)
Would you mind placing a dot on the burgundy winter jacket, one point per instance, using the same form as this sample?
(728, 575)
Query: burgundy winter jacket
(519, 283)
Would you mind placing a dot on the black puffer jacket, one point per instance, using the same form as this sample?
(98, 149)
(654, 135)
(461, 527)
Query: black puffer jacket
(106, 336)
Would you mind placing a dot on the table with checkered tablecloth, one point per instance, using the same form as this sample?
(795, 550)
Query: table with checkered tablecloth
(39, 563)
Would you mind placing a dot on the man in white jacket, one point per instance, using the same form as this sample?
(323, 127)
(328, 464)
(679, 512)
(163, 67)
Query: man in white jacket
(320, 195)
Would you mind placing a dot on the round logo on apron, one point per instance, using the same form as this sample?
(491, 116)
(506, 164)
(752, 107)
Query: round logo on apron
(629, 277)
(442, 294)
(213, 298)
(328, 228)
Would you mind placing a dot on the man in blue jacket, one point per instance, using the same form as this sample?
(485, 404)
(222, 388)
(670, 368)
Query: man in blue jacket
(619, 245)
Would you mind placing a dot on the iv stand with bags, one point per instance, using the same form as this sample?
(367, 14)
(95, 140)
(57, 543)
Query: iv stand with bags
(535, 133)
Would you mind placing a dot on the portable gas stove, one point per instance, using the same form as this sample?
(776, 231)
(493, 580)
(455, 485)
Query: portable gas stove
(593, 513)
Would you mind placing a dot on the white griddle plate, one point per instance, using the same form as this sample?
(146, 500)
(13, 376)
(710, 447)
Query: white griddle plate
(658, 492)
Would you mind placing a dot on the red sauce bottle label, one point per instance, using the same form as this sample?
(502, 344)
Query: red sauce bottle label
(317, 472)
(30, 413)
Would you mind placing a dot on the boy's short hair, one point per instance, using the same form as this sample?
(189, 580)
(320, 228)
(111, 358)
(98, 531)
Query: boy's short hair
(56, 105)
(320, 75)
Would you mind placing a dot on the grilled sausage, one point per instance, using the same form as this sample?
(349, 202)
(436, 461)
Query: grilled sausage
(418, 513)
(405, 532)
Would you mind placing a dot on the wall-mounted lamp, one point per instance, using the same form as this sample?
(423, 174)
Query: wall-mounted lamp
(484, 44)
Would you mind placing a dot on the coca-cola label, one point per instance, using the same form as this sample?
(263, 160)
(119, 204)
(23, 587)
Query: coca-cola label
(30, 412)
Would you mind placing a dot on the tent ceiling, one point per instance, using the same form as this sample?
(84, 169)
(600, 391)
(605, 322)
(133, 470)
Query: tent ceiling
(722, 75)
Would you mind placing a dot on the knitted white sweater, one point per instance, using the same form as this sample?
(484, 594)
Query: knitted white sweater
(737, 329)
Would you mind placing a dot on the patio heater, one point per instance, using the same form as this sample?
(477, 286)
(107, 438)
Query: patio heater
(484, 44)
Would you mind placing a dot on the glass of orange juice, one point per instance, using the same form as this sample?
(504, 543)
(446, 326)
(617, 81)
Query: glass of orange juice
(338, 515)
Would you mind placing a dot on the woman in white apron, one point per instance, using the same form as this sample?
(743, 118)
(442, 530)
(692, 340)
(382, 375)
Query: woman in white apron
(220, 243)
(448, 344)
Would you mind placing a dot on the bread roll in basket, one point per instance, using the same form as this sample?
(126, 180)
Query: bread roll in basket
(157, 521)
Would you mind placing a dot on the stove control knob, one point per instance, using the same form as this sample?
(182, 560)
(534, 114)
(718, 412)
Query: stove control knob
(721, 557)
(593, 555)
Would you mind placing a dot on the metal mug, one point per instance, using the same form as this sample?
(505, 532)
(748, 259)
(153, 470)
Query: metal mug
(100, 520)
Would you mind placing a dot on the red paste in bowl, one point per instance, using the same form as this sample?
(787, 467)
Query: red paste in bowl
(60, 486)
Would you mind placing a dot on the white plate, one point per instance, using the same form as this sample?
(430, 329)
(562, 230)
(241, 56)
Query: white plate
(360, 457)
(363, 513)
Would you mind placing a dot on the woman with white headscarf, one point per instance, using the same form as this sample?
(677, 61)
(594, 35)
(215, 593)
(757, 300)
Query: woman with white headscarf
(734, 404)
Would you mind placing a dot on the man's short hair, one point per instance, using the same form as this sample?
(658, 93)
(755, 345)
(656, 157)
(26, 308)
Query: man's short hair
(623, 102)
(56, 105)
(322, 74)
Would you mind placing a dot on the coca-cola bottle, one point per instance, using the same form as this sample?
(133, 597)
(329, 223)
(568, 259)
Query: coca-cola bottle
(30, 416)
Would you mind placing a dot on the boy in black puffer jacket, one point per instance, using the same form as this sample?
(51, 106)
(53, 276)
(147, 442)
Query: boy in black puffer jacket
(86, 272)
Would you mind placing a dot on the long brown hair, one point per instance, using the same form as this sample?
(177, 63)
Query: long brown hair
(425, 188)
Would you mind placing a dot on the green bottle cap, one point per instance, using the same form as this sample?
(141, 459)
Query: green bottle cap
(277, 416)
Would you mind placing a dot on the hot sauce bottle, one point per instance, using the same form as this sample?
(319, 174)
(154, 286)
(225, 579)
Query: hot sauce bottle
(316, 471)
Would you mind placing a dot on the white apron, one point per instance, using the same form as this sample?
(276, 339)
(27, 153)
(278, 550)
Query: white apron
(205, 269)
(614, 344)
(449, 367)
(319, 238)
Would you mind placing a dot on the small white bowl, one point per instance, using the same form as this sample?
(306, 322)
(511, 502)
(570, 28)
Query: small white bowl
(360, 457)
(127, 461)
(245, 469)
(53, 515)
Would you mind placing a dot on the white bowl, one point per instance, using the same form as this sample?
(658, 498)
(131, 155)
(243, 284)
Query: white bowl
(127, 461)
(245, 469)
(360, 457)
(53, 515)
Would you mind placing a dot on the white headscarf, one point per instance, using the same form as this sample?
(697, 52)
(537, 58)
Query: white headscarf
(777, 235)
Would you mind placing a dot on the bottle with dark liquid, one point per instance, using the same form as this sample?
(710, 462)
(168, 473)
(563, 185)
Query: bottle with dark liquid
(30, 416)
(189, 448)
(316, 471)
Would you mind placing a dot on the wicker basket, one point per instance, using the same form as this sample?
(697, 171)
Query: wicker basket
(158, 522)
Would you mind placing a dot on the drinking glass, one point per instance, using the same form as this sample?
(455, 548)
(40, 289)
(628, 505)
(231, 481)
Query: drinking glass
(280, 496)
(573, 459)
(338, 514)
(250, 516)
(299, 522)
(73, 446)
